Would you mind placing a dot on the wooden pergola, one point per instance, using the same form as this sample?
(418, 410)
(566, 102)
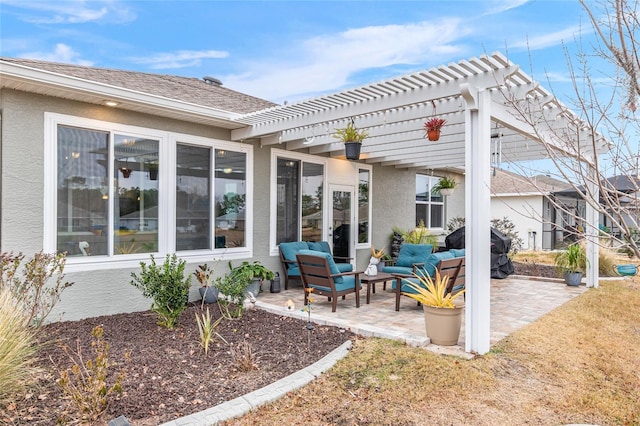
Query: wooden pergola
(478, 97)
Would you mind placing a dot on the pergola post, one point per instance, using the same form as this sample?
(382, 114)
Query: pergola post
(477, 218)
(592, 227)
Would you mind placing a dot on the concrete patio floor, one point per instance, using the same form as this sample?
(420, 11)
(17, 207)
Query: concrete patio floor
(515, 302)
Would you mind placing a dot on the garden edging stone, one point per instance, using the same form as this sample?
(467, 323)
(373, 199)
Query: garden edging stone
(244, 404)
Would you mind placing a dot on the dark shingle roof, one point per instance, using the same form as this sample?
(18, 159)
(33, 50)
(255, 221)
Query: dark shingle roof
(184, 89)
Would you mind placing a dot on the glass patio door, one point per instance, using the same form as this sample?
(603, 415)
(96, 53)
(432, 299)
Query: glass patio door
(340, 221)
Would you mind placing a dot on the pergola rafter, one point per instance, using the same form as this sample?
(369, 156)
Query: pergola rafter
(483, 100)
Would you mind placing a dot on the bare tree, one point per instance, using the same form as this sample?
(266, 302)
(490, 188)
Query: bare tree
(605, 104)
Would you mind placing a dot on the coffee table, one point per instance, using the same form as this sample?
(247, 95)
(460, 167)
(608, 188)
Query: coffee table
(370, 281)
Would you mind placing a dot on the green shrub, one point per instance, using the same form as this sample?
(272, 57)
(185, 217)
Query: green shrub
(166, 286)
(17, 347)
(85, 383)
(29, 284)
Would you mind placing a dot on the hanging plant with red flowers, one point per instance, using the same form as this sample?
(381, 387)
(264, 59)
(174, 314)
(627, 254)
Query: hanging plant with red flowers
(432, 128)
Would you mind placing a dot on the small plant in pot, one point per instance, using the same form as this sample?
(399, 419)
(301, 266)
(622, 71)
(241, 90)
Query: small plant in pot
(571, 263)
(442, 317)
(432, 128)
(352, 138)
(252, 274)
(445, 186)
(208, 292)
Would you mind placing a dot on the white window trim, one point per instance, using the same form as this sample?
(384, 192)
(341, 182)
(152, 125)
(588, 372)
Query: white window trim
(368, 168)
(432, 203)
(273, 184)
(166, 181)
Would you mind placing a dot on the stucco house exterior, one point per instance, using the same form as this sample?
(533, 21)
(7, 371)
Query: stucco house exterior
(112, 166)
(528, 203)
(75, 169)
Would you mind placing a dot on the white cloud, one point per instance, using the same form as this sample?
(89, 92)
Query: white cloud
(62, 53)
(71, 12)
(327, 62)
(179, 59)
(550, 39)
(499, 6)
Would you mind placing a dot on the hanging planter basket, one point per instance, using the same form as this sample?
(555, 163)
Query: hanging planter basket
(433, 135)
(352, 150)
(432, 128)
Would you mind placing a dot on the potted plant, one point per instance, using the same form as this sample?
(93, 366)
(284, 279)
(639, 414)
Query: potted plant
(208, 292)
(252, 274)
(352, 138)
(432, 128)
(442, 317)
(571, 263)
(445, 186)
(153, 170)
(378, 254)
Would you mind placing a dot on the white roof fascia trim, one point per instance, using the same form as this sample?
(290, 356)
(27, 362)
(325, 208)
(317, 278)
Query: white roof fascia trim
(109, 92)
(520, 194)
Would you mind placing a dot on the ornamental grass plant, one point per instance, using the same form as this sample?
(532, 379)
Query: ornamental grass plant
(17, 347)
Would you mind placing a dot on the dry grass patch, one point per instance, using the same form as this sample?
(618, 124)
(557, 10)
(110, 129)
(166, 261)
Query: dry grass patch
(578, 364)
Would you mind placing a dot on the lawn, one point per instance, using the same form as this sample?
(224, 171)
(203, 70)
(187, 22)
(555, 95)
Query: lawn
(578, 364)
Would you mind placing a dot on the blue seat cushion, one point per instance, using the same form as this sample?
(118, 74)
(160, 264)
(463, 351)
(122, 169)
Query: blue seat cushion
(333, 268)
(319, 246)
(346, 284)
(457, 252)
(405, 287)
(289, 251)
(344, 267)
(398, 270)
(413, 253)
(433, 259)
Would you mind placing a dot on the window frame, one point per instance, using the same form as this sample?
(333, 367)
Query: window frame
(167, 153)
(273, 189)
(433, 180)
(369, 242)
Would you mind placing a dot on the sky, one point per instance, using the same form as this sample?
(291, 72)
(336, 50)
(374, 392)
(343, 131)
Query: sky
(294, 50)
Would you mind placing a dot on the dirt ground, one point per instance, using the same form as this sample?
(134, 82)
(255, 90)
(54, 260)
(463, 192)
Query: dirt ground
(167, 374)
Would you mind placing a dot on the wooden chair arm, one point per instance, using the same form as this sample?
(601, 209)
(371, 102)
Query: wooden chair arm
(342, 274)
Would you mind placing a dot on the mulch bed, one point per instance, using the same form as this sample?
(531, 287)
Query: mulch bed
(167, 374)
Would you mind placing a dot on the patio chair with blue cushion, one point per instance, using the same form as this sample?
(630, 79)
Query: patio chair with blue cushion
(288, 252)
(410, 257)
(453, 267)
(319, 272)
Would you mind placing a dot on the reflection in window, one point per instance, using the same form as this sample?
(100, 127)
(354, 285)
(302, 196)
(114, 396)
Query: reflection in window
(299, 200)
(312, 177)
(135, 223)
(287, 226)
(429, 205)
(193, 187)
(364, 182)
(230, 196)
(83, 191)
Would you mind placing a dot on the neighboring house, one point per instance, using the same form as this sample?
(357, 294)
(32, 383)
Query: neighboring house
(137, 164)
(526, 201)
(625, 188)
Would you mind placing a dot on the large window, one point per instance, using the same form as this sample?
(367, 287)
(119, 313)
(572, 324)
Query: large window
(94, 217)
(429, 204)
(299, 200)
(107, 191)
